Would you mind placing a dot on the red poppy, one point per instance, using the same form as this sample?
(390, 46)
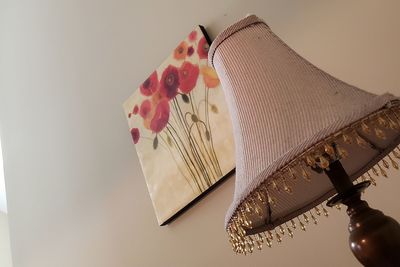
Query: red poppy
(192, 36)
(135, 110)
(188, 74)
(145, 109)
(203, 47)
(180, 51)
(161, 116)
(169, 82)
(190, 51)
(135, 135)
(149, 86)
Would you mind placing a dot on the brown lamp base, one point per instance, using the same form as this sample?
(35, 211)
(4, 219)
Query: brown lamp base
(374, 237)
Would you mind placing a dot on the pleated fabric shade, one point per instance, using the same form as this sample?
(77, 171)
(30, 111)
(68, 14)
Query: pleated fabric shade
(290, 120)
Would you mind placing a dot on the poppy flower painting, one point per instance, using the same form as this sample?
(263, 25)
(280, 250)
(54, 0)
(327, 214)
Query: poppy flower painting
(188, 75)
(181, 128)
(149, 86)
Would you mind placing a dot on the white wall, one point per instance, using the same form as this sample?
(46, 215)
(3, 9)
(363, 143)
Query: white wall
(5, 247)
(3, 199)
(76, 195)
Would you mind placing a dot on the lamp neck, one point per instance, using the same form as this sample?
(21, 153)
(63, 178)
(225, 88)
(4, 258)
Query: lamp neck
(338, 176)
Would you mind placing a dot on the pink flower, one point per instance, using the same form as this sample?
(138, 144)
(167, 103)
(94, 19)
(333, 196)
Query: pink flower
(161, 116)
(135, 110)
(188, 74)
(156, 98)
(180, 51)
(135, 135)
(145, 109)
(203, 47)
(190, 51)
(149, 86)
(169, 82)
(192, 36)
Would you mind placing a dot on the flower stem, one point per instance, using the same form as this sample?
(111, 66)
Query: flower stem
(165, 145)
(185, 158)
(193, 146)
(212, 162)
(209, 129)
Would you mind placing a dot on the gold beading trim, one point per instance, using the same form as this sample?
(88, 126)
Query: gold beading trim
(317, 156)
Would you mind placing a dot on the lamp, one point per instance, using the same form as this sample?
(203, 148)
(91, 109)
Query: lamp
(301, 137)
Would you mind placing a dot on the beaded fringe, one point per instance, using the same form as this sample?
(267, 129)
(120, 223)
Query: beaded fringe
(318, 156)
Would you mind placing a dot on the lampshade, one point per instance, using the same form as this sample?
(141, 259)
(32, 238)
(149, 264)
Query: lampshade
(290, 119)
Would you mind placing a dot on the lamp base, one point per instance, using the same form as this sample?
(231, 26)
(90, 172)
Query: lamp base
(374, 237)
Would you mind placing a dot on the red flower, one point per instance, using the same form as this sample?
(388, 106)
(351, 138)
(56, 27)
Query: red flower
(188, 74)
(135, 110)
(161, 116)
(145, 109)
(149, 86)
(135, 135)
(190, 51)
(192, 36)
(203, 47)
(180, 51)
(169, 82)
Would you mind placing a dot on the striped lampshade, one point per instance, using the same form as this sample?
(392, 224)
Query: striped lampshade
(290, 119)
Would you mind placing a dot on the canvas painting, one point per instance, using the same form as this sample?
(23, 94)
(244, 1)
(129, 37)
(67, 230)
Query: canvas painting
(181, 128)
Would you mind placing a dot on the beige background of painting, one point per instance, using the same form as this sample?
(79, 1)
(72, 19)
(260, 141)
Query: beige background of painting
(76, 194)
(170, 191)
